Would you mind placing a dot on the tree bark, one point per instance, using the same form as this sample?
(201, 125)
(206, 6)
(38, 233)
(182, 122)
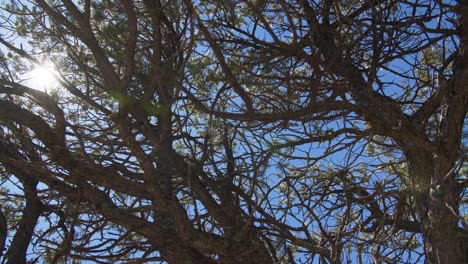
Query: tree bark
(3, 231)
(31, 212)
(436, 198)
(443, 242)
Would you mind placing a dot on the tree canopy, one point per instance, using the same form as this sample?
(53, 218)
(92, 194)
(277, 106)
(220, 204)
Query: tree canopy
(239, 131)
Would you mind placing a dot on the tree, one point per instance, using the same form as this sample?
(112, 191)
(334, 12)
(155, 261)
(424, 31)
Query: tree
(234, 131)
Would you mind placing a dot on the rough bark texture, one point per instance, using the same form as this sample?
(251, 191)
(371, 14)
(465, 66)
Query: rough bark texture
(436, 192)
(436, 205)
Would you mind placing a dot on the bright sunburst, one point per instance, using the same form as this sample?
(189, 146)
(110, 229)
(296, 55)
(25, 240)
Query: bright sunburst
(43, 77)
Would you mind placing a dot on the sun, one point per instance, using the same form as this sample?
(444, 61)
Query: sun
(43, 77)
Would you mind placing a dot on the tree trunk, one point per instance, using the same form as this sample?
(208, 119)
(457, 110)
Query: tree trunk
(437, 210)
(443, 241)
(437, 197)
(24, 233)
